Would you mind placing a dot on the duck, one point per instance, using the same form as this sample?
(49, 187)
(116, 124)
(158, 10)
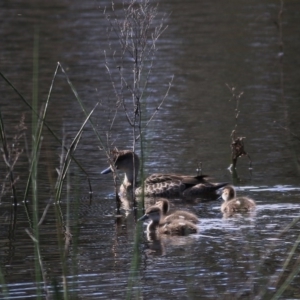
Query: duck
(233, 204)
(159, 185)
(159, 224)
(183, 215)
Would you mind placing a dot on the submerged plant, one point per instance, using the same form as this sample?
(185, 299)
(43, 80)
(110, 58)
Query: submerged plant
(237, 142)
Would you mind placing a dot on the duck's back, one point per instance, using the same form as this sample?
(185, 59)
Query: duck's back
(238, 204)
(178, 227)
(168, 185)
(164, 185)
(181, 215)
(186, 179)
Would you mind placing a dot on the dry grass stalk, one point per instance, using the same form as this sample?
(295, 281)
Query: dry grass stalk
(237, 142)
(130, 66)
(11, 153)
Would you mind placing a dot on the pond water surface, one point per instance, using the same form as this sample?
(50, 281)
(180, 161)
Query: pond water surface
(207, 46)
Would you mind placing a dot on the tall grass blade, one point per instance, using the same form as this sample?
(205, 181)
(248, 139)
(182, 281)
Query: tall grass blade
(4, 291)
(135, 264)
(36, 134)
(62, 174)
(40, 262)
(69, 157)
(80, 103)
(44, 121)
(36, 146)
(292, 275)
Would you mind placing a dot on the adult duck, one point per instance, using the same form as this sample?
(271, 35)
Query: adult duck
(163, 185)
(233, 204)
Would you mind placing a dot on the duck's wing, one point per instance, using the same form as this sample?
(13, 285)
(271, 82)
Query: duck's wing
(165, 185)
(203, 188)
(160, 178)
(189, 180)
(238, 205)
(246, 203)
(181, 215)
(169, 185)
(194, 180)
(179, 227)
(157, 178)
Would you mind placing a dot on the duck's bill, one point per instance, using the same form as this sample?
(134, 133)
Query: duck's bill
(143, 218)
(106, 171)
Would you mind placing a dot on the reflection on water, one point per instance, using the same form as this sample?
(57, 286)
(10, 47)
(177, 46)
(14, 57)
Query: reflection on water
(229, 256)
(206, 46)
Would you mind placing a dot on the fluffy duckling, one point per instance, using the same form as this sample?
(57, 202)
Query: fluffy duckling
(182, 215)
(233, 204)
(172, 227)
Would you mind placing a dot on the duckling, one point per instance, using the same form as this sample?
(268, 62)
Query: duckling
(173, 227)
(182, 215)
(233, 204)
(163, 185)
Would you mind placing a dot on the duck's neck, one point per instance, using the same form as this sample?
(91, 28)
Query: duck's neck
(232, 194)
(153, 225)
(130, 177)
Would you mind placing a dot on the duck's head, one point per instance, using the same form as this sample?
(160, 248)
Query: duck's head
(164, 205)
(126, 161)
(153, 213)
(228, 193)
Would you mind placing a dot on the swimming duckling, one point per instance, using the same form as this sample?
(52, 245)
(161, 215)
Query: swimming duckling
(163, 185)
(233, 204)
(182, 215)
(158, 223)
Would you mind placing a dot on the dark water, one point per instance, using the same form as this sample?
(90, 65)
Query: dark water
(207, 46)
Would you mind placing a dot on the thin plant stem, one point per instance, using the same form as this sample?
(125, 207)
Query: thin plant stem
(135, 263)
(69, 156)
(40, 263)
(8, 160)
(137, 39)
(5, 293)
(36, 135)
(81, 104)
(292, 275)
(44, 121)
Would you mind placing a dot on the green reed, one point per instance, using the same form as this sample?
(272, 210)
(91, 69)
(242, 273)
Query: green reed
(36, 142)
(133, 287)
(38, 123)
(44, 122)
(4, 290)
(295, 271)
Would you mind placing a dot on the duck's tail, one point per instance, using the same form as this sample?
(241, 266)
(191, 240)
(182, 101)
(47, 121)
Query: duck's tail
(203, 189)
(220, 185)
(214, 187)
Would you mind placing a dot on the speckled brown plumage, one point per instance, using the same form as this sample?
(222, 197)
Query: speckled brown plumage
(163, 185)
